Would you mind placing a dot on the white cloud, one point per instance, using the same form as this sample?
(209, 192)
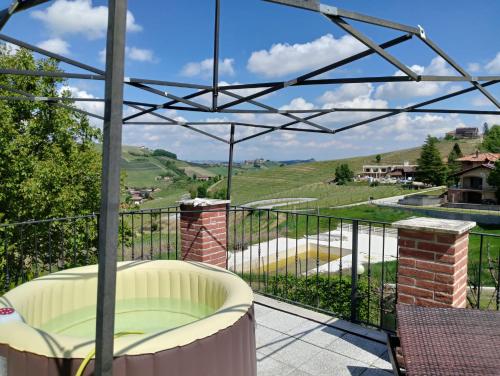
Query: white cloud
(56, 45)
(282, 58)
(494, 65)
(96, 108)
(79, 17)
(204, 68)
(474, 67)
(406, 90)
(346, 93)
(134, 53)
(350, 96)
(298, 104)
(140, 54)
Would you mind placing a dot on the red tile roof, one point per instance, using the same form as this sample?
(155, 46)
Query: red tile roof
(480, 157)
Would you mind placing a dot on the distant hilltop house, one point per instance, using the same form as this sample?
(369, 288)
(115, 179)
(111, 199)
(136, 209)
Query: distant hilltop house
(465, 132)
(203, 178)
(473, 185)
(404, 171)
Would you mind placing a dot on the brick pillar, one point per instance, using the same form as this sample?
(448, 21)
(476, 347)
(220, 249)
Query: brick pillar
(432, 268)
(203, 231)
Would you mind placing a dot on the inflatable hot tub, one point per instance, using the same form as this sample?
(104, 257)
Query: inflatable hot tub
(172, 318)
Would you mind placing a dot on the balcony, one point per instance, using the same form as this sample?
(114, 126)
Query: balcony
(325, 287)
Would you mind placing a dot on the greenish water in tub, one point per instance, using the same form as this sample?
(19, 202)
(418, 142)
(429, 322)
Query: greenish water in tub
(147, 315)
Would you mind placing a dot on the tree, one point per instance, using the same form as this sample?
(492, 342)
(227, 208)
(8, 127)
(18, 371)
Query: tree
(49, 167)
(378, 158)
(494, 179)
(49, 163)
(164, 153)
(491, 141)
(201, 191)
(343, 174)
(454, 166)
(486, 129)
(430, 167)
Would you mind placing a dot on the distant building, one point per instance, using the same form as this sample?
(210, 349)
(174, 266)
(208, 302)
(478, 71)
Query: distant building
(465, 132)
(405, 171)
(473, 185)
(203, 178)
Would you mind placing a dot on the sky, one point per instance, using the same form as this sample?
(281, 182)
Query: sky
(260, 42)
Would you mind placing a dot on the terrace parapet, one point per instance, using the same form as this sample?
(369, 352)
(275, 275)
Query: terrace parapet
(204, 231)
(433, 255)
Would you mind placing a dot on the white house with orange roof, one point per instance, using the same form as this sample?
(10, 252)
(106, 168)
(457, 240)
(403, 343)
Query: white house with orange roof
(473, 187)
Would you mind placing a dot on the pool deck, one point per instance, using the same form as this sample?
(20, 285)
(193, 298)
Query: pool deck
(296, 341)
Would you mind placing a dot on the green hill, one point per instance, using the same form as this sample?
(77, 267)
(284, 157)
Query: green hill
(142, 168)
(310, 179)
(269, 181)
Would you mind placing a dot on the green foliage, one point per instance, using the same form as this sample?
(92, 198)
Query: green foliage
(49, 166)
(164, 153)
(454, 166)
(449, 137)
(494, 179)
(491, 141)
(220, 194)
(331, 294)
(430, 167)
(378, 158)
(202, 191)
(343, 174)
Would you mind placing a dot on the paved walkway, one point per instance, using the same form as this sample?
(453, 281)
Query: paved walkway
(303, 345)
(389, 200)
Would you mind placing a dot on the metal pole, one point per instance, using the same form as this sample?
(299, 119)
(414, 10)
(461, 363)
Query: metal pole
(228, 188)
(110, 191)
(230, 164)
(354, 272)
(215, 92)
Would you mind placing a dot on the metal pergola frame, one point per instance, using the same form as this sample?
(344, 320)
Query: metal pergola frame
(113, 120)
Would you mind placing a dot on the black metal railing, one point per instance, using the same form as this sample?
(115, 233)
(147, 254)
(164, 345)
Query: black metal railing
(341, 266)
(484, 271)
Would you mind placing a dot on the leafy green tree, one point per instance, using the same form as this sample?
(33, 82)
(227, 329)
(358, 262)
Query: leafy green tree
(164, 153)
(454, 166)
(202, 191)
(378, 158)
(494, 179)
(49, 163)
(491, 141)
(49, 167)
(430, 167)
(343, 174)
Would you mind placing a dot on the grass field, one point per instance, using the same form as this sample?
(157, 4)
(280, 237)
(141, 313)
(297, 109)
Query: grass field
(308, 180)
(142, 168)
(311, 179)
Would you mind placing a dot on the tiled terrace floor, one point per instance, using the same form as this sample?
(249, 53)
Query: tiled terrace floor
(302, 345)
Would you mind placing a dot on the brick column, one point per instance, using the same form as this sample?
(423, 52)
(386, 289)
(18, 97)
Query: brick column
(203, 231)
(432, 269)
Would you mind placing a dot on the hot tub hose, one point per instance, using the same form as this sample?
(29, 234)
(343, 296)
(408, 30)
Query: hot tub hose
(91, 354)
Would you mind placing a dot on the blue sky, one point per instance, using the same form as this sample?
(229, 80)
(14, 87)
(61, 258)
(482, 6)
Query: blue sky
(172, 40)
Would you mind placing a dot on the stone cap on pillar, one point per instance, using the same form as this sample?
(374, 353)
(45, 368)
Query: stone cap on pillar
(203, 202)
(447, 226)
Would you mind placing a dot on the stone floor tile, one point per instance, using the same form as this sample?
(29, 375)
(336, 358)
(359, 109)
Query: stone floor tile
(358, 348)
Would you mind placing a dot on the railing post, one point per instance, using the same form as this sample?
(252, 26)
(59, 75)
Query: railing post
(203, 231)
(432, 268)
(354, 272)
